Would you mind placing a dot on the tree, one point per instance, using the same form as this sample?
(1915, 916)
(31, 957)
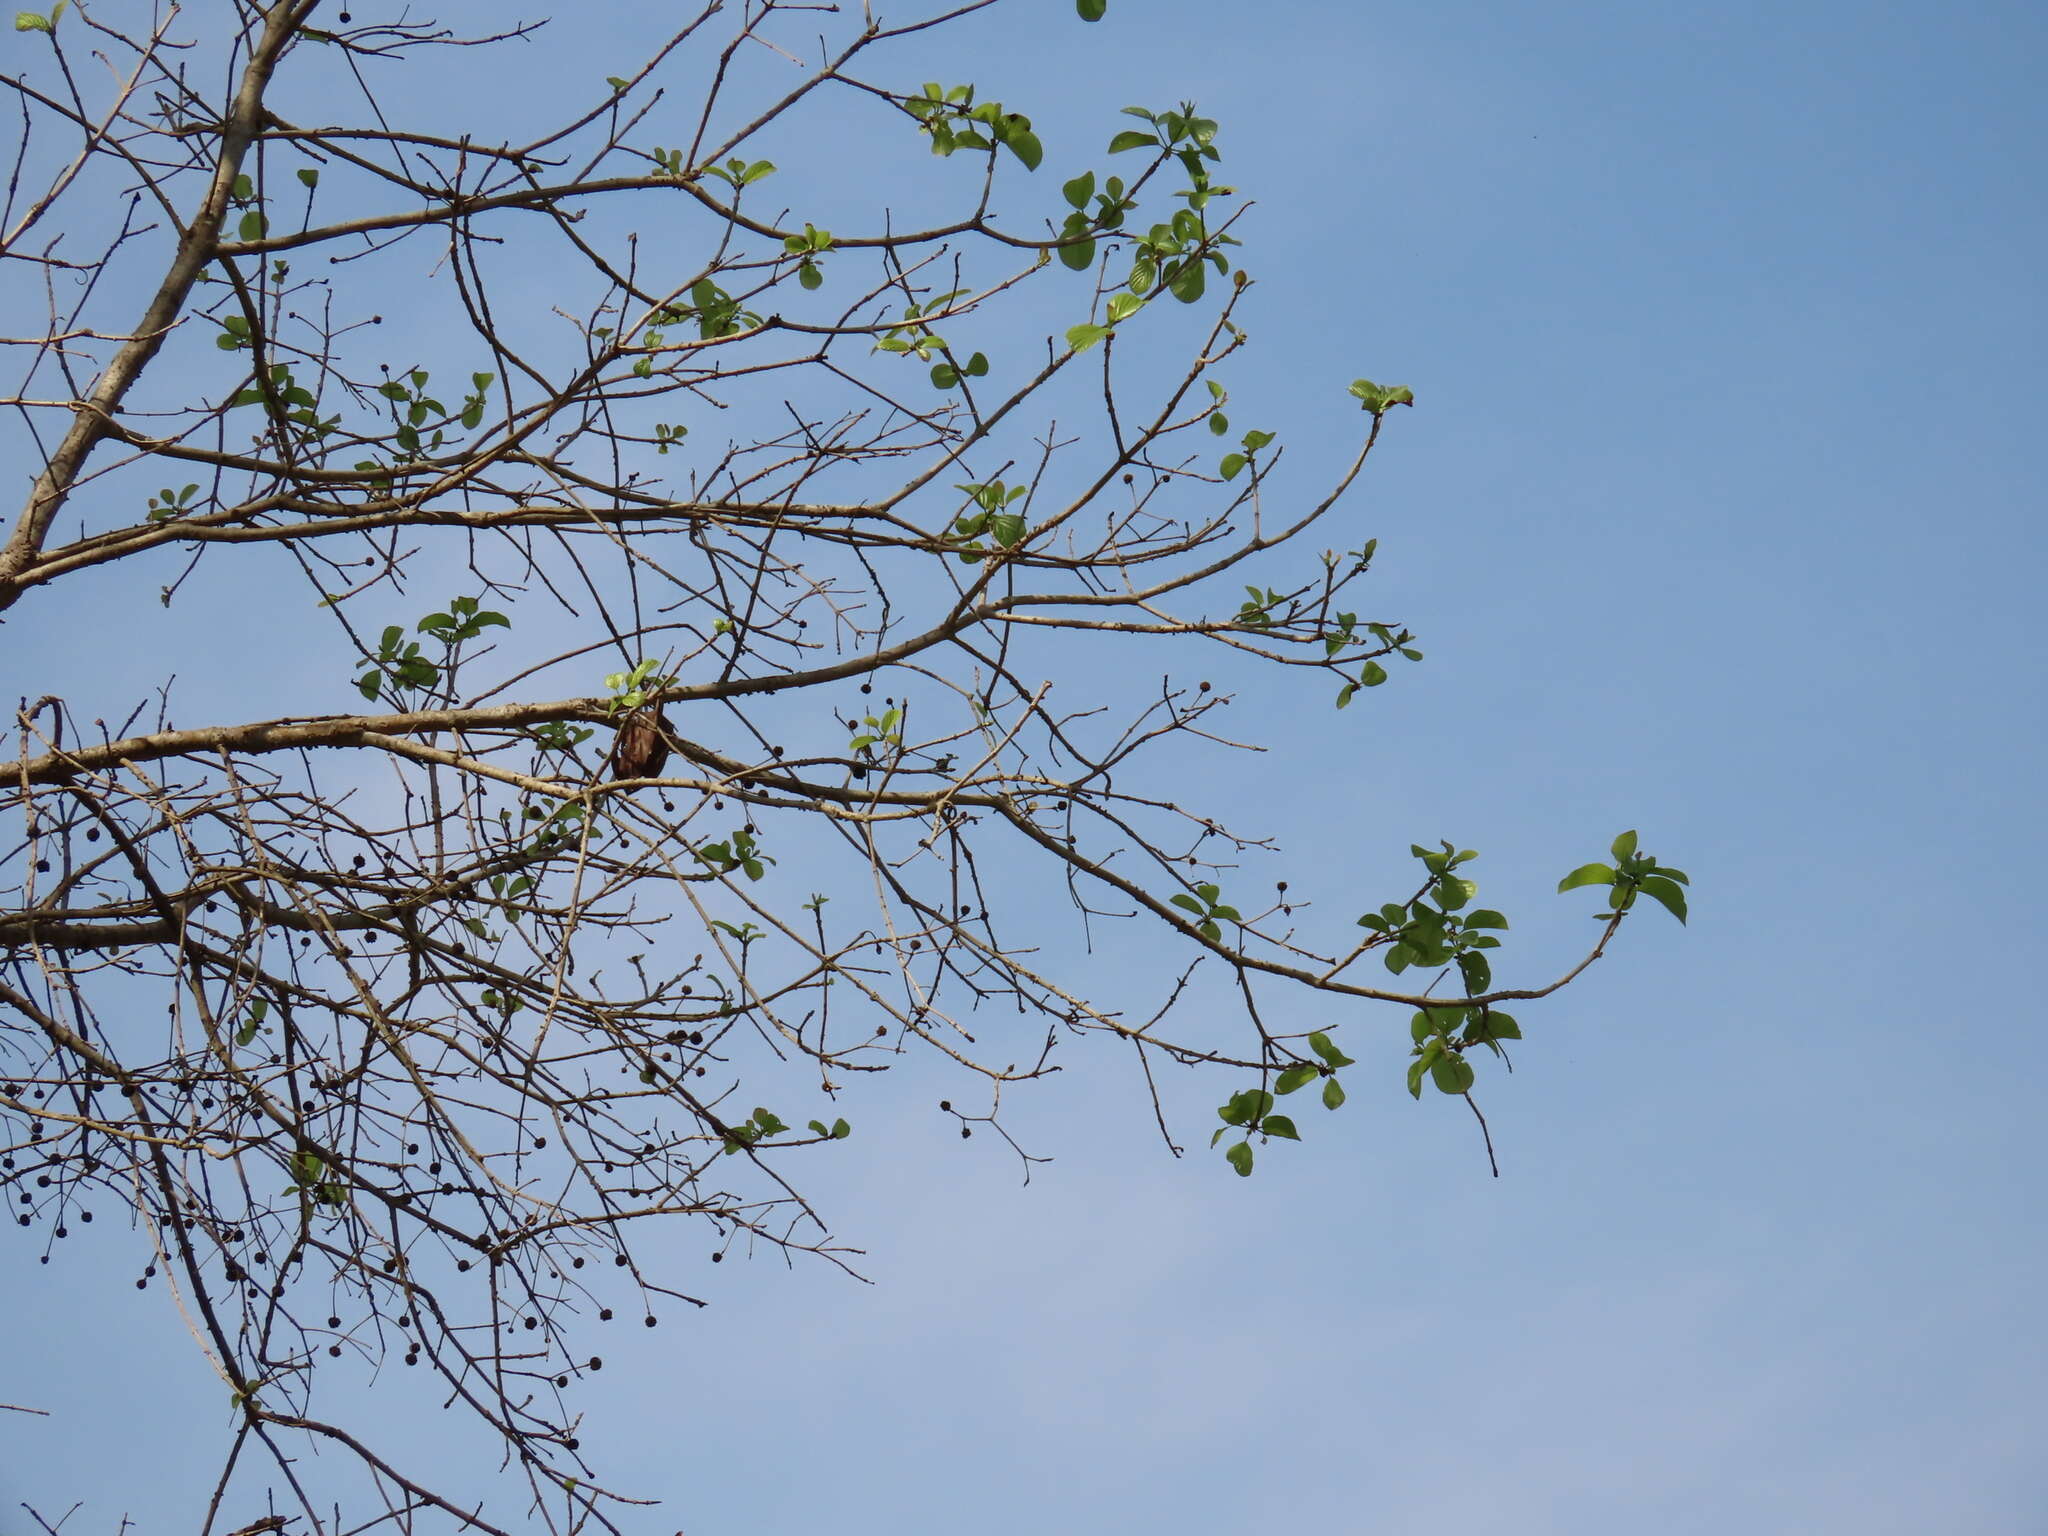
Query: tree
(381, 1019)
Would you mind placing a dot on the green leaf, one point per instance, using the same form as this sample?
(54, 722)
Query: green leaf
(1237, 1111)
(29, 21)
(1494, 1026)
(1372, 676)
(1379, 398)
(1082, 337)
(1321, 1044)
(1079, 256)
(1433, 1023)
(1624, 846)
(1477, 973)
(1669, 894)
(309, 176)
(1587, 874)
(1484, 917)
(1091, 10)
(1287, 1082)
(1232, 465)
(1123, 305)
(1333, 1093)
(1078, 191)
(1240, 1158)
(1131, 138)
(1451, 1073)
(841, 1130)
(1415, 1071)
(1023, 143)
(1281, 1126)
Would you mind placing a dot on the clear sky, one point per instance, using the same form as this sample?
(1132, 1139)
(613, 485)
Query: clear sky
(1717, 517)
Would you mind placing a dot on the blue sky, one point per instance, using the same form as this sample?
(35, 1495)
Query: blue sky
(1717, 517)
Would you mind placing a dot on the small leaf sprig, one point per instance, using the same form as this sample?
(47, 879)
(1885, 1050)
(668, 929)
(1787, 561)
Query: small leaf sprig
(1632, 874)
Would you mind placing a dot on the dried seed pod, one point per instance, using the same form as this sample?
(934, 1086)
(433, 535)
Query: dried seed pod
(642, 748)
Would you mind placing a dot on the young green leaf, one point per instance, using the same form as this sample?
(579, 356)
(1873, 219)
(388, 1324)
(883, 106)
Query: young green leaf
(1493, 1025)
(1287, 1082)
(1379, 398)
(1587, 874)
(1321, 1044)
(1477, 974)
(1451, 1073)
(1667, 893)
